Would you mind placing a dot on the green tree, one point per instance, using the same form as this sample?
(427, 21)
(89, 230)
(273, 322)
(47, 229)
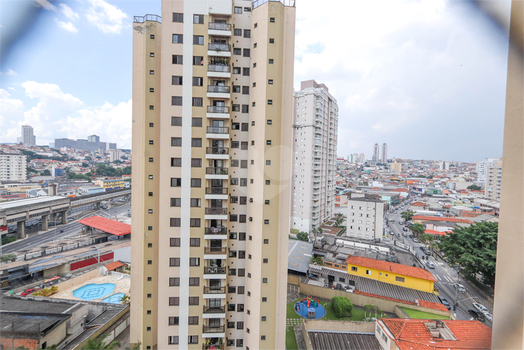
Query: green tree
(303, 236)
(99, 343)
(31, 170)
(342, 307)
(474, 188)
(85, 164)
(474, 248)
(407, 215)
(417, 229)
(46, 172)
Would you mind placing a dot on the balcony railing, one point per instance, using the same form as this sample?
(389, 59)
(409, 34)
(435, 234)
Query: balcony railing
(214, 309)
(219, 26)
(213, 347)
(216, 190)
(217, 150)
(218, 68)
(218, 89)
(217, 130)
(216, 171)
(214, 290)
(214, 270)
(209, 329)
(214, 250)
(219, 47)
(218, 109)
(216, 231)
(216, 211)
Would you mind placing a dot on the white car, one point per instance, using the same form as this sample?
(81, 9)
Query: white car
(481, 308)
(489, 316)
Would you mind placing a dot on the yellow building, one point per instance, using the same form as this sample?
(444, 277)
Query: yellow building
(393, 273)
(110, 184)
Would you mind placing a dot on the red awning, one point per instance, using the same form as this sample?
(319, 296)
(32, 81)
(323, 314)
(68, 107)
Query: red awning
(106, 225)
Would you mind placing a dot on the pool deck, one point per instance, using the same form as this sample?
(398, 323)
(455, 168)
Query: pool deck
(121, 286)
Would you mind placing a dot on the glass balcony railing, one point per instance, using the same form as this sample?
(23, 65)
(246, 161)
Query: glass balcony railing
(216, 211)
(219, 47)
(216, 171)
(218, 68)
(218, 89)
(214, 250)
(219, 26)
(216, 231)
(216, 190)
(214, 290)
(213, 329)
(214, 309)
(214, 270)
(217, 130)
(217, 150)
(218, 109)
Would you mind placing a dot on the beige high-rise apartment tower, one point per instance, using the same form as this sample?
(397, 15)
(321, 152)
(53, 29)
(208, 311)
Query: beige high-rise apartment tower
(212, 127)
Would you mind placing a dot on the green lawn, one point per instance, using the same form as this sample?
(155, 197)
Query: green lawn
(291, 342)
(423, 315)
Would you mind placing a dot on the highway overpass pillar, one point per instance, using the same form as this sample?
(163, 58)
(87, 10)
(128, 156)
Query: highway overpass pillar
(20, 229)
(45, 223)
(64, 217)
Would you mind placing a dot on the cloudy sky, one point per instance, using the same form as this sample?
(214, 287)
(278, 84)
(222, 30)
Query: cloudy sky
(426, 77)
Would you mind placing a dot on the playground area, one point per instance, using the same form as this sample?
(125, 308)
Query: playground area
(310, 308)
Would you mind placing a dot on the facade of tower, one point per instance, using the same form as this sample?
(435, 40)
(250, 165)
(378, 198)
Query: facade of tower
(27, 137)
(212, 123)
(314, 156)
(384, 159)
(376, 152)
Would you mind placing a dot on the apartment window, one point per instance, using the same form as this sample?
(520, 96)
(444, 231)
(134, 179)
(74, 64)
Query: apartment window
(265, 260)
(241, 272)
(173, 321)
(150, 177)
(178, 59)
(242, 218)
(178, 39)
(196, 142)
(255, 65)
(240, 342)
(192, 320)
(245, 90)
(151, 107)
(237, 51)
(243, 164)
(195, 202)
(271, 61)
(174, 222)
(176, 121)
(176, 202)
(253, 104)
(236, 70)
(176, 80)
(238, 10)
(235, 144)
(150, 262)
(196, 162)
(174, 242)
(194, 281)
(255, 25)
(232, 272)
(262, 337)
(174, 261)
(196, 182)
(174, 281)
(272, 19)
(233, 199)
(198, 101)
(149, 228)
(245, 108)
(269, 102)
(231, 289)
(264, 299)
(270, 81)
(151, 160)
(152, 36)
(196, 122)
(178, 17)
(354, 268)
(198, 60)
(240, 325)
(240, 308)
(247, 53)
(193, 301)
(244, 145)
(247, 9)
(266, 221)
(232, 235)
(235, 108)
(264, 280)
(176, 100)
(174, 301)
(255, 45)
(243, 182)
(399, 279)
(172, 339)
(236, 88)
(268, 142)
(176, 141)
(268, 182)
(240, 290)
(198, 40)
(242, 236)
(152, 72)
(194, 242)
(149, 295)
(230, 307)
(176, 162)
(176, 182)
(271, 40)
(245, 71)
(198, 19)
(234, 163)
(192, 339)
(247, 33)
(368, 272)
(237, 32)
(151, 90)
(194, 222)
(198, 81)
(234, 181)
(268, 162)
(243, 200)
(245, 126)
(266, 241)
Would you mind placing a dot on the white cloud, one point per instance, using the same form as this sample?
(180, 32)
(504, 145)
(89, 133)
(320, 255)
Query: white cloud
(58, 114)
(46, 5)
(70, 27)
(68, 12)
(106, 17)
(9, 72)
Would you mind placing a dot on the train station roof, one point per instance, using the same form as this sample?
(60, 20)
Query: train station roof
(113, 227)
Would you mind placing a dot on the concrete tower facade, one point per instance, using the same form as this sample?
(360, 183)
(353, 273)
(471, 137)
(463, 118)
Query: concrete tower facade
(212, 123)
(376, 153)
(384, 158)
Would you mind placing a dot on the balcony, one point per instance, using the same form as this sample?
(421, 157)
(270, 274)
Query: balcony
(213, 347)
(219, 49)
(214, 270)
(216, 231)
(219, 29)
(214, 290)
(214, 250)
(218, 71)
(216, 190)
(216, 211)
(216, 171)
(217, 153)
(218, 112)
(217, 132)
(214, 309)
(215, 329)
(215, 91)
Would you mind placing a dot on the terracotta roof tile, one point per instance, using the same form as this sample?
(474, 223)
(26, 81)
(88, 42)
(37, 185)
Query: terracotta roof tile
(435, 218)
(419, 204)
(400, 269)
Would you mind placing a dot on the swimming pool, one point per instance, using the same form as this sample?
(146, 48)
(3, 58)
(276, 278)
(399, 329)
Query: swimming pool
(114, 299)
(94, 291)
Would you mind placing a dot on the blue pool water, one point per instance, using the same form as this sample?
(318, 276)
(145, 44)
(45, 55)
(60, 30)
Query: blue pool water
(94, 291)
(114, 299)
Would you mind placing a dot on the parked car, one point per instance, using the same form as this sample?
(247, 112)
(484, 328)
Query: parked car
(405, 229)
(460, 287)
(477, 315)
(430, 265)
(480, 307)
(488, 316)
(446, 303)
(415, 239)
(70, 219)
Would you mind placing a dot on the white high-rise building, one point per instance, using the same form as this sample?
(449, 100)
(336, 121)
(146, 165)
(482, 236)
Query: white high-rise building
(314, 153)
(13, 167)
(493, 181)
(376, 153)
(27, 137)
(384, 158)
(482, 167)
(365, 217)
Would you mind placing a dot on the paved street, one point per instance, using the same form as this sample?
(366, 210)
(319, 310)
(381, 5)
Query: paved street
(69, 229)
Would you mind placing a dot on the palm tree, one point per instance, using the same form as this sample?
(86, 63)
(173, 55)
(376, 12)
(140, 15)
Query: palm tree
(417, 229)
(99, 344)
